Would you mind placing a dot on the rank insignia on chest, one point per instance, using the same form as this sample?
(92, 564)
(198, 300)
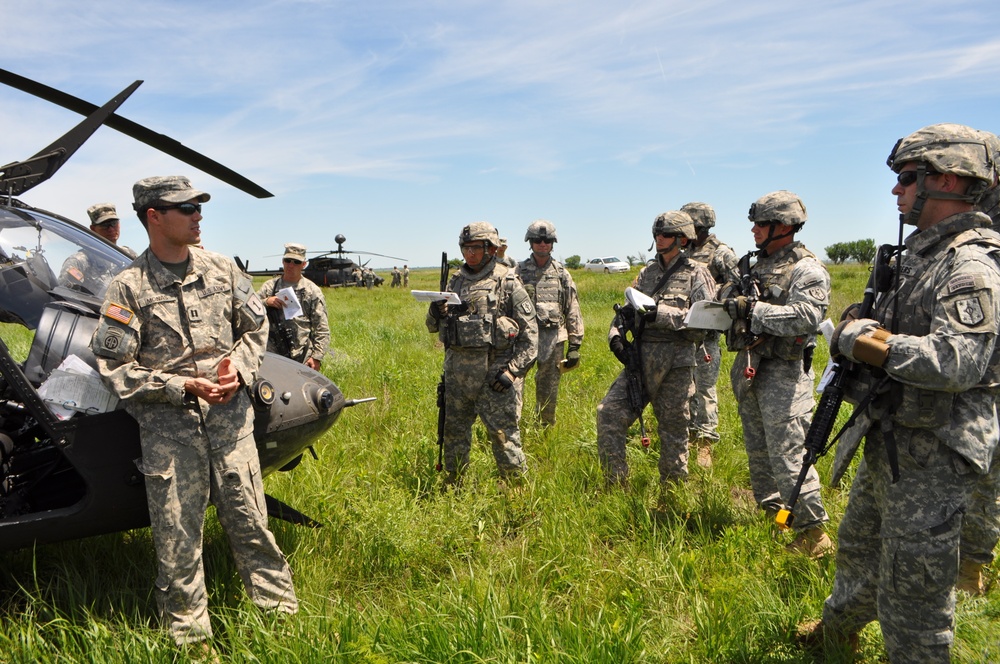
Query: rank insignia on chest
(969, 311)
(119, 313)
(194, 314)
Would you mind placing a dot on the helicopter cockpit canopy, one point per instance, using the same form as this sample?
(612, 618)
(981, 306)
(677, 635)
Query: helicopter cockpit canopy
(43, 259)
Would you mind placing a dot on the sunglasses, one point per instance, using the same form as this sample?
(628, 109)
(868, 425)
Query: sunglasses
(542, 240)
(107, 224)
(472, 248)
(293, 261)
(184, 208)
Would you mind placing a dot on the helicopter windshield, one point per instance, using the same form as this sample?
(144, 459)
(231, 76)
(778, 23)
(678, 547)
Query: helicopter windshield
(40, 253)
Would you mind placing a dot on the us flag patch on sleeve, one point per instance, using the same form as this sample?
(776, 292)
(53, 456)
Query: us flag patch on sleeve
(119, 313)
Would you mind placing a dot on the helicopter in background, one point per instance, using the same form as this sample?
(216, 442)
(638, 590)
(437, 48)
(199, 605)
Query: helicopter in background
(67, 467)
(332, 268)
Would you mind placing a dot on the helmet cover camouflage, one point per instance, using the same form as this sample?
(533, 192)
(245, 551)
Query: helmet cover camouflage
(541, 229)
(949, 148)
(701, 214)
(779, 207)
(479, 230)
(675, 223)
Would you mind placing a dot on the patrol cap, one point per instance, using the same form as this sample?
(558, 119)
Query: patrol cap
(479, 230)
(166, 188)
(674, 222)
(702, 214)
(778, 207)
(296, 251)
(102, 212)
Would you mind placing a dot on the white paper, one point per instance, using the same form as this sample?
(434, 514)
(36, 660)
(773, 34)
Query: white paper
(707, 315)
(75, 387)
(289, 302)
(639, 300)
(436, 296)
(826, 328)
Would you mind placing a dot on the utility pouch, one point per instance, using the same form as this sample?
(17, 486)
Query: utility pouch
(472, 331)
(505, 332)
(923, 409)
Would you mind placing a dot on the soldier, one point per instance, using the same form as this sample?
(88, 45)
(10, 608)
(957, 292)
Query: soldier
(396, 277)
(557, 309)
(369, 276)
(667, 354)
(721, 262)
(304, 338)
(105, 222)
(406, 276)
(777, 306)
(86, 270)
(491, 340)
(180, 338)
(930, 351)
(502, 256)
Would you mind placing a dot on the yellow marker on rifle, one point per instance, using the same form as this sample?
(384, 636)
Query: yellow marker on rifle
(784, 519)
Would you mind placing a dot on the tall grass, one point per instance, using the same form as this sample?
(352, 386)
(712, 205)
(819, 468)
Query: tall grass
(562, 570)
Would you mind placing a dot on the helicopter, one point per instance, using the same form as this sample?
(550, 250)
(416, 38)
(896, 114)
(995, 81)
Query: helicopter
(332, 268)
(67, 459)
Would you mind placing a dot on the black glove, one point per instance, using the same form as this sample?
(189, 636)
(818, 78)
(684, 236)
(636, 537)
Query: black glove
(739, 308)
(649, 315)
(627, 313)
(438, 309)
(617, 345)
(572, 356)
(503, 381)
(853, 312)
(835, 338)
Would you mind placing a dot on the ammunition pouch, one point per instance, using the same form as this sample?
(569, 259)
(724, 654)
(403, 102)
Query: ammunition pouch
(472, 331)
(921, 409)
(505, 333)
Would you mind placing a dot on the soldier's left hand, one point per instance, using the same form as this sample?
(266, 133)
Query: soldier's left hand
(572, 356)
(649, 315)
(739, 308)
(503, 381)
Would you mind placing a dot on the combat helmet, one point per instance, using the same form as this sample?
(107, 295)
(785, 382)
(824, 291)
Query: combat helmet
(674, 222)
(479, 230)
(990, 201)
(779, 207)
(946, 148)
(701, 214)
(541, 229)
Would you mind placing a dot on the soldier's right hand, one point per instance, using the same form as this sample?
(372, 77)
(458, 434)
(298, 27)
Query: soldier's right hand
(617, 345)
(852, 312)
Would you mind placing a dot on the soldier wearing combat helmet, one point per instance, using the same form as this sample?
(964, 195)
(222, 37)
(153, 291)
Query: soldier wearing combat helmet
(667, 354)
(777, 305)
(930, 350)
(491, 340)
(557, 309)
(720, 260)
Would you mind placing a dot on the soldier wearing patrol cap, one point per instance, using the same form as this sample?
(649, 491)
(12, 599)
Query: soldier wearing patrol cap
(667, 354)
(181, 335)
(557, 308)
(304, 338)
(929, 350)
(720, 260)
(774, 333)
(490, 340)
(105, 222)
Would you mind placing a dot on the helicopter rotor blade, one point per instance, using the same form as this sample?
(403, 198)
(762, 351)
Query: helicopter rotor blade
(20, 176)
(151, 138)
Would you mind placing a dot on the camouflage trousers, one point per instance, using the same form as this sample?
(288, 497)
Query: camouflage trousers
(669, 390)
(897, 555)
(550, 355)
(775, 412)
(704, 403)
(180, 482)
(467, 378)
(981, 525)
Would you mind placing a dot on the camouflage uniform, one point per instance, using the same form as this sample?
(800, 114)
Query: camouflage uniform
(667, 353)
(87, 272)
(776, 405)
(899, 542)
(310, 332)
(406, 276)
(557, 308)
(498, 331)
(721, 261)
(369, 277)
(156, 331)
(396, 278)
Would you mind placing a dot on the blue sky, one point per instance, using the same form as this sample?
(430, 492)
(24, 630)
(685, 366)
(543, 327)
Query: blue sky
(397, 122)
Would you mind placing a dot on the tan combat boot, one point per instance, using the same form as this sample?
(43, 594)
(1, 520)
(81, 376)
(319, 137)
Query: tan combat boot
(702, 449)
(970, 578)
(813, 542)
(814, 634)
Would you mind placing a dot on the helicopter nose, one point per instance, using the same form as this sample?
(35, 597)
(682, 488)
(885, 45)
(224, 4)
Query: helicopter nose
(323, 399)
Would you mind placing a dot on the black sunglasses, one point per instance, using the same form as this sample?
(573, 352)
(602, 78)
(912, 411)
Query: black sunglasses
(184, 208)
(543, 240)
(294, 261)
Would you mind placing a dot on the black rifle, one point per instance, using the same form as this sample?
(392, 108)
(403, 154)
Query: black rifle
(833, 394)
(283, 339)
(440, 387)
(749, 288)
(635, 389)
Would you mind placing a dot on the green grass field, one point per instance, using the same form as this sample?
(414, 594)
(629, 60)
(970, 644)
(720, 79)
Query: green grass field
(561, 571)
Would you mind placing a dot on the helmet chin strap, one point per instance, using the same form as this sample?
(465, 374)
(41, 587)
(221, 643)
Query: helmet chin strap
(771, 237)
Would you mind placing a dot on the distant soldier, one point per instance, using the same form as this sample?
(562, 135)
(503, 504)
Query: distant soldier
(369, 277)
(490, 342)
(406, 276)
(721, 263)
(666, 350)
(357, 277)
(304, 338)
(105, 222)
(557, 309)
(502, 256)
(86, 270)
(929, 353)
(777, 305)
(396, 277)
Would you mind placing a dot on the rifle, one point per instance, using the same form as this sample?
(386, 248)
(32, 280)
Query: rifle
(283, 339)
(635, 388)
(440, 386)
(833, 394)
